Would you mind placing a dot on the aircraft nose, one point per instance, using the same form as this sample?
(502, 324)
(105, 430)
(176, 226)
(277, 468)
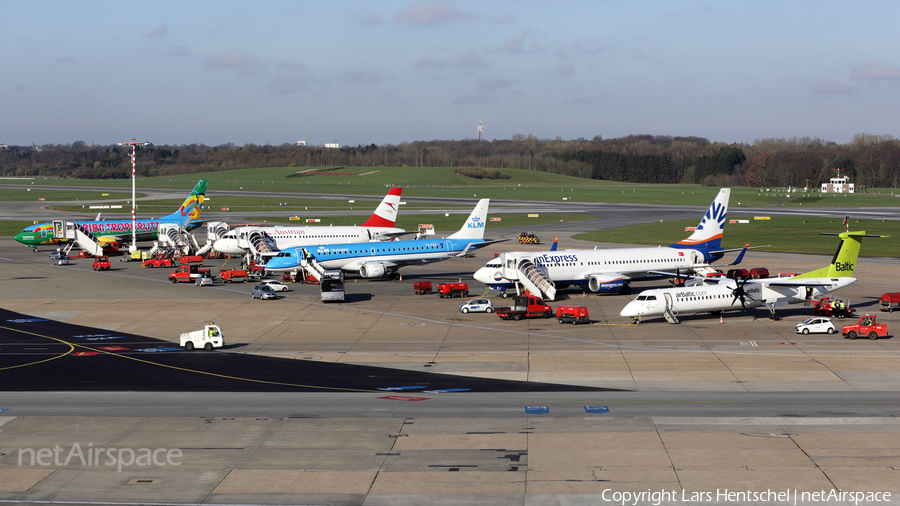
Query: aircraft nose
(227, 246)
(482, 276)
(629, 310)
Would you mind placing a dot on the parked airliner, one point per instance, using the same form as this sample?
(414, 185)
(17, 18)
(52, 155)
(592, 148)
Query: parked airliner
(375, 259)
(187, 216)
(379, 227)
(716, 295)
(605, 270)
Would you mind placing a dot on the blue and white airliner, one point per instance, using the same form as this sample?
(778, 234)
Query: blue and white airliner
(607, 270)
(375, 259)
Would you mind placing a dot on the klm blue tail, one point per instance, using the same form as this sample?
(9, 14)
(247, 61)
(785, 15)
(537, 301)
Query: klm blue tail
(707, 237)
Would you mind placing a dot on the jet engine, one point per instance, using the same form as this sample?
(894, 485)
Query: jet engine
(601, 284)
(372, 270)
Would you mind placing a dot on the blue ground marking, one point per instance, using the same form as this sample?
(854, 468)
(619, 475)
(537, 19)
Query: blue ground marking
(390, 389)
(537, 410)
(446, 390)
(3, 409)
(92, 335)
(27, 320)
(103, 338)
(597, 409)
(154, 350)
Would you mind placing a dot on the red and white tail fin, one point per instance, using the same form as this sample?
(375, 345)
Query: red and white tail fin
(386, 213)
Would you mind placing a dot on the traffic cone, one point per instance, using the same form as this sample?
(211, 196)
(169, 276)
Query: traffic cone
(401, 277)
(721, 320)
(354, 280)
(583, 295)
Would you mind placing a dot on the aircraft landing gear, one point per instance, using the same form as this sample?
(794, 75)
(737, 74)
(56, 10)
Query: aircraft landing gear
(772, 314)
(625, 290)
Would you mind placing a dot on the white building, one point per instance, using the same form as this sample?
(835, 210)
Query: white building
(838, 185)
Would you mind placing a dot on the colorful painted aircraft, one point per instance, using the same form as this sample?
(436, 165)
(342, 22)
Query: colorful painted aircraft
(717, 295)
(375, 259)
(269, 240)
(606, 270)
(187, 216)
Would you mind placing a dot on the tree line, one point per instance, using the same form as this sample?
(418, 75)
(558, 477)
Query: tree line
(869, 160)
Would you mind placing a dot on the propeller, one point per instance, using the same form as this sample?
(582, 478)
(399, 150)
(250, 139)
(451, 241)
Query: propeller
(739, 293)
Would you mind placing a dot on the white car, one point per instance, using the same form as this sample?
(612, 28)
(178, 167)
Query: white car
(276, 285)
(815, 325)
(477, 306)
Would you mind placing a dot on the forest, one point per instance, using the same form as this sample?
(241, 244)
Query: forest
(870, 160)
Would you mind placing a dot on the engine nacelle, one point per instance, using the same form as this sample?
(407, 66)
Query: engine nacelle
(599, 284)
(372, 270)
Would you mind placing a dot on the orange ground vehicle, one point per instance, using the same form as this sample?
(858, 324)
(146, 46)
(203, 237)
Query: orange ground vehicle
(866, 327)
(828, 306)
(572, 314)
(453, 289)
(233, 275)
(422, 287)
(102, 263)
(889, 302)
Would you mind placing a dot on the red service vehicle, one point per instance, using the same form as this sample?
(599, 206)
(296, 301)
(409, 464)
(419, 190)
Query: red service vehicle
(186, 274)
(159, 260)
(233, 275)
(422, 287)
(866, 327)
(256, 271)
(827, 306)
(890, 301)
(738, 274)
(524, 307)
(759, 273)
(717, 274)
(101, 263)
(788, 274)
(453, 290)
(572, 314)
(195, 259)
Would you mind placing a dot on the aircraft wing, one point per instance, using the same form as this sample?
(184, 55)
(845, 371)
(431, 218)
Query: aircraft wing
(791, 282)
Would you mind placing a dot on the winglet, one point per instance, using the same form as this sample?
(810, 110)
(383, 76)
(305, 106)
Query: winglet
(385, 214)
(740, 255)
(555, 244)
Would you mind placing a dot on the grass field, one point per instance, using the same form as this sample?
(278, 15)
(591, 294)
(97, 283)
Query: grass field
(28, 194)
(443, 182)
(788, 234)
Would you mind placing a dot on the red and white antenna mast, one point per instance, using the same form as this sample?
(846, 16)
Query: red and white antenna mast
(134, 144)
(480, 130)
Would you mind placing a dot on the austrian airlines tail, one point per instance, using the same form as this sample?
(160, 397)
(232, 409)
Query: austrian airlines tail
(386, 213)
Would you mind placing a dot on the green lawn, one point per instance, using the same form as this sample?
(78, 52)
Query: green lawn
(29, 194)
(789, 234)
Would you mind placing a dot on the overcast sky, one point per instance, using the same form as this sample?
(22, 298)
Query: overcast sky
(387, 72)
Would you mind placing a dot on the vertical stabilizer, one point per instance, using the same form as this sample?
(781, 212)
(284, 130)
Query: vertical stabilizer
(843, 264)
(385, 214)
(473, 228)
(708, 234)
(190, 209)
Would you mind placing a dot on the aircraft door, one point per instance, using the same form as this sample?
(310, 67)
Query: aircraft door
(668, 300)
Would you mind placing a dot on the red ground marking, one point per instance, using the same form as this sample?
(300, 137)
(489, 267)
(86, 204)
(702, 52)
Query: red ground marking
(85, 353)
(111, 348)
(404, 398)
(788, 343)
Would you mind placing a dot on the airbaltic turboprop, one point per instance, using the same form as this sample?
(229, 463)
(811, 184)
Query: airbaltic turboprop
(187, 216)
(379, 227)
(606, 270)
(722, 294)
(375, 259)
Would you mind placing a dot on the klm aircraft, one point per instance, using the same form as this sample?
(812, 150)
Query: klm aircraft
(187, 216)
(375, 259)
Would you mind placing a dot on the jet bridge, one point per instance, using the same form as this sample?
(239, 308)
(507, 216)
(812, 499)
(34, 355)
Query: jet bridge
(522, 269)
(75, 232)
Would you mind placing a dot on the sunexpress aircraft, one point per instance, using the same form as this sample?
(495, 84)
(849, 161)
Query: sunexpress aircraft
(612, 270)
(187, 216)
(375, 259)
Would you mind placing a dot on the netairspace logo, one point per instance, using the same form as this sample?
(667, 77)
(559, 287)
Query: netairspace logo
(109, 457)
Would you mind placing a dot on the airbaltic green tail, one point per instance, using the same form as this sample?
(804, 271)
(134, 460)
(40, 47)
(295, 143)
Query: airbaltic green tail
(843, 265)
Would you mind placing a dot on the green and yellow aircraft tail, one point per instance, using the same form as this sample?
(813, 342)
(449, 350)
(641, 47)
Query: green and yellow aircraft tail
(843, 264)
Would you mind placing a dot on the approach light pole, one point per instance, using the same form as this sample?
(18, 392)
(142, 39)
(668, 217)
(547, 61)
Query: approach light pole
(134, 144)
